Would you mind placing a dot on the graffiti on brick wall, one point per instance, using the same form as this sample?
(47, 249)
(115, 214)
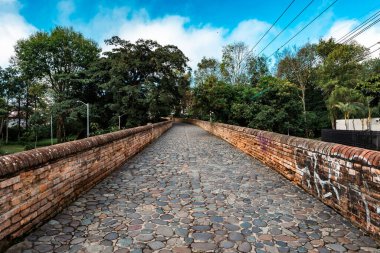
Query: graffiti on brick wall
(318, 179)
(263, 142)
(321, 174)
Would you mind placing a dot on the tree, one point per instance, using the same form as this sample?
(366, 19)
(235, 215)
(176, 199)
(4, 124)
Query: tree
(240, 66)
(213, 97)
(56, 58)
(235, 63)
(370, 89)
(300, 70)
(257, 69)
(13, 92)
(276, 107)
(347, 109)
(145, 80)
(344, 99)
(207, 67)
(340, 65)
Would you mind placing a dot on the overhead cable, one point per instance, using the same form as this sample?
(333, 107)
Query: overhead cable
(291, 22)
(295, 35)
(361, 31)
(365, 22)
(273, 25)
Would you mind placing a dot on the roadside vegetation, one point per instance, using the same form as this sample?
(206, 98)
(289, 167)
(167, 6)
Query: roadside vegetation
(54, 75)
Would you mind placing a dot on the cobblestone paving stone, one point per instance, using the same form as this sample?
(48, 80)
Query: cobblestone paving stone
(192, 192)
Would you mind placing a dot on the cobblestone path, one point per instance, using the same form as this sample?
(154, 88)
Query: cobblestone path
(192, 192)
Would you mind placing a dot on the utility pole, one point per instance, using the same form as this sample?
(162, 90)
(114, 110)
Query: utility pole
(88, 116)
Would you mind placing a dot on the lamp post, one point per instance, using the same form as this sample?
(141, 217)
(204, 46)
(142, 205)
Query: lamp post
(120, 120)
(51, 128)
(88, 116)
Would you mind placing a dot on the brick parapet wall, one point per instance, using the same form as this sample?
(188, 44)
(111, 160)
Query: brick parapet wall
(343, 177)
(37, 184)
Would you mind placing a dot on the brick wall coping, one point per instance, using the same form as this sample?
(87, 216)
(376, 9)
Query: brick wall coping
(11, 164)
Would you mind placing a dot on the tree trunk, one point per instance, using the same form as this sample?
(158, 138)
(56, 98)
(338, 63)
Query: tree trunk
(18, 119)
(60, 128)
(346, 121)
(1, 129)
(332, 120)
(6, 131)
(27, 108)
(35, 141)
(369, 119)
(303, 90)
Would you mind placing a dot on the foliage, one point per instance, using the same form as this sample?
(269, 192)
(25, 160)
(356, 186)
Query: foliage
(240, 66)
(57, 60)
(278, 109)
(140, 82)
(143, 81)
(207, 67)
(340, 65)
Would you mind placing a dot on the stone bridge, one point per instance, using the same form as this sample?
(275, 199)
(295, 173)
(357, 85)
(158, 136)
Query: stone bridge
(188, 191)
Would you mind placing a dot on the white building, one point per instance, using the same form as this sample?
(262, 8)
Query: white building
(358, 124)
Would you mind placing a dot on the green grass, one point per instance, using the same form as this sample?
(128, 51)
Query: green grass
(11, 148)
(14, 147)
(44, 142)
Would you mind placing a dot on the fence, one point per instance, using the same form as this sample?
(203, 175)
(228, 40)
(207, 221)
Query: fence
(361, 139)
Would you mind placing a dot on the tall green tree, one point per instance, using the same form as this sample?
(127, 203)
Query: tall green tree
(345, 100)
(277, 107)
(207, 67)
(235, 63)
(340, 65)
(257, 69)
(300, 69)
(213, 98)
(56, 58)
(146, 80)
(240, 66)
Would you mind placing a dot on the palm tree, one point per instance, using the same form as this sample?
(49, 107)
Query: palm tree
(347, 109)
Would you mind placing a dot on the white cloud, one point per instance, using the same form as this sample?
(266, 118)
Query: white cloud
(12, 28)
(65, 9)
(195, 42)
(249, 31)
(367, 38)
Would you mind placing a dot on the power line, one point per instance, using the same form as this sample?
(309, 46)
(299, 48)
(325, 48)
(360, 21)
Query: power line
(374, 45)
(371, 52)
(365, 56)
(287, 26)
(361, 31)
(358, 27)
(362, 58)
(273, 25)
(320, 14)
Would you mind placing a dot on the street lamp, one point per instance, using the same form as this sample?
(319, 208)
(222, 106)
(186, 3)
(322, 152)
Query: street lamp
(120, 120)
(88, 116)
(51, 128)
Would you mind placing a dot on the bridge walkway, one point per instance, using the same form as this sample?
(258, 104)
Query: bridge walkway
(192, 192)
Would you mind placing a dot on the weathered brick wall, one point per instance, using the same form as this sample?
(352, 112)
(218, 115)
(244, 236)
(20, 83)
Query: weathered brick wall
(343, 177)
(37, 184)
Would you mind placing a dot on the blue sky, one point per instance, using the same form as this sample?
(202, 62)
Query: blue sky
(199, 28)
